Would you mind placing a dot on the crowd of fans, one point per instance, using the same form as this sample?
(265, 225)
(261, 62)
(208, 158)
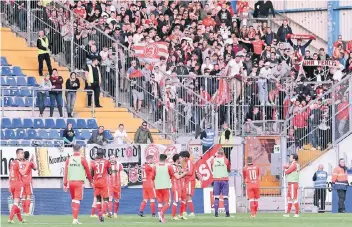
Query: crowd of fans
(208, 42)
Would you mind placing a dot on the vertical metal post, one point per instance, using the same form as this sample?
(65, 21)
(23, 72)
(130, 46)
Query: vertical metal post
(164, 117)
(72, 47)
(350, 102)
(33, 103)
(117, 80)
(28, 24)
(333, 111)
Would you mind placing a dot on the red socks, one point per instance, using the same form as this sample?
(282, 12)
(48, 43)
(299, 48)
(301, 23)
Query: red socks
(289, 206)
(75, 209)
(173, 210)
(99, 207)
(15, 210)
(256, 204)
(183, 207)
(252, 207)
(191, 206)
(141, 208)
(93, 210)
(296, 207)
(25, 205)
(116, 207)
(152, 207)
(110, 207)
(165, 207)
(105, 206)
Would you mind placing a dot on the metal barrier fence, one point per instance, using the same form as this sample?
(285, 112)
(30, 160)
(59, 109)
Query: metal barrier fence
(30, 98)
(316, 200)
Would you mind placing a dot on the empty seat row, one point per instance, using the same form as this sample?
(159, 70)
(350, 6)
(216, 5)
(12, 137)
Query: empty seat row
(49, 123)
(18, 81)
(23, 92)
(3, 61)
(43, 134)
(34, 143)
(22, 101)
(11, 71)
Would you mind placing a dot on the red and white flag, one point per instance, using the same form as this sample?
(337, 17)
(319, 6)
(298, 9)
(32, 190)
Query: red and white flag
(223, 94)
(151, 52)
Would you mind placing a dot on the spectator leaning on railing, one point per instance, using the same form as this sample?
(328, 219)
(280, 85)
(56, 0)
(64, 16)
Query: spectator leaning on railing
(45, 86)
(143, 134)
(72, 84)
(56, 92)
(98, 137)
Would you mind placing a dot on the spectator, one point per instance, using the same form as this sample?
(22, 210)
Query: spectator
(226, 140)
(69, 136)
(120, 136)
(314, 121)
(93, 82)
(269, 36)
(66, 34)
(252, 116)
(143, 134)
(207, 137)
(283, 31)
(138, 87)
(98, 137)
(320, 178)
(56, 92)
(261, 9)
(45, 86)
(343, 116)
(43, 53)
(235, 71)
(73, 85)
(154, 97)
(299, 47)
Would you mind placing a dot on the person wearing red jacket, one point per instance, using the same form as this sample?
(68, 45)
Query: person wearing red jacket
(343, 115)
(300, 124)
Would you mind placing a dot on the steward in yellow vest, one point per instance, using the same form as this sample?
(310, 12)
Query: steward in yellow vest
(93, 82)
(43, 53)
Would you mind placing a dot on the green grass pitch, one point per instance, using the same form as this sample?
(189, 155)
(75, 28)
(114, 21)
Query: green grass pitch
(237, 220)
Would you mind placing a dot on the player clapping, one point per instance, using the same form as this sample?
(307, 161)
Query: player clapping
(251, 178)
(148, 186)
(17, 171)
(292, 173)
(27, 183)
(115, 185)
(100, 168)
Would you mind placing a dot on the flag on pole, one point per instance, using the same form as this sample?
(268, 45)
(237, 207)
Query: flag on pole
(223, 94)
(151, 52)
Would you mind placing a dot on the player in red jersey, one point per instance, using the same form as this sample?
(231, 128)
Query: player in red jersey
(17, 170)
(176, 185)
(189, 185)
(100, 169)
(292, 176)
(148, 186)
(251, 178)
(27, 183)
(75, 173)
(115, 184)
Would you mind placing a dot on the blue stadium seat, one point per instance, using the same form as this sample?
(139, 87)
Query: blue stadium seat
(24, 92)
(49, 123)
(54, 135)
(8, 101)
(38, 123)
(25, 143)
(21, 81)
(108, 135)
(58, 143)
(2, 134)
(82, 143)
(28, 123)
(31, 81)
(32, 134)
(92, 124)
(85, 134)
(9, 134)
(4, 62)
(17, 123)
(47, 143)
(3, 143)
(81, 123)
(6, 92)
(4, 81)
(19, 101)
(6, 71)
(13, 143)
(14, 92)
(77, 134)
(21, 134)
(17, 71)
(28, 101)
(11, 81)
(43, 134)
(6, 123)
(36, 143)
(73, 122)
(60, 123)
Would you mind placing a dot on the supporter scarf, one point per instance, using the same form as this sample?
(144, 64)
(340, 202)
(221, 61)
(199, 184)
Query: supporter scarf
(300, 36)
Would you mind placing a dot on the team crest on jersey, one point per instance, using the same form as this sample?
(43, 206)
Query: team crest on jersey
(31, 207)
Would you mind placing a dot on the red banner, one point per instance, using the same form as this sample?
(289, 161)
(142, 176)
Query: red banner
(300, 36)
(223, 94)
(319, 63)
(203, 166)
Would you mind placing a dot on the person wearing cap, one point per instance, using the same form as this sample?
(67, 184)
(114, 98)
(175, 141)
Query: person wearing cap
(291, 172)
(93, 82)
(340, 183)
(283, 31)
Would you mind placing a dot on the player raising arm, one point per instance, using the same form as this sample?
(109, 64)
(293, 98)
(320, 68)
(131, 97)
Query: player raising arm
(76, 171)
(27, 182)
(221, 168)
(17, 170)
(162, 178)
(148, 186)
(251, 178)
(292, 173)
(189, 185)
(115, 184)
(100, 168)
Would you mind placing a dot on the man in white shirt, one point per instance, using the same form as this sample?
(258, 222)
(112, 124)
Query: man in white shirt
(235, 72)
(120, 136)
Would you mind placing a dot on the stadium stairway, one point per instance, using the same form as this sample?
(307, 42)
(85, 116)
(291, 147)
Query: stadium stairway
(18, 53)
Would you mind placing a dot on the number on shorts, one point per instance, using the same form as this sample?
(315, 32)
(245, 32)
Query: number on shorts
(99, 167)
(253, 174)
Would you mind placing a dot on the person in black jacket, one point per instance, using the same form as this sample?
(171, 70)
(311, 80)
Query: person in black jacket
(73, 85)
(261, 9)
(153, 96)
(314, 121)
(284, 30)
(68, 136)
(43, 53)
